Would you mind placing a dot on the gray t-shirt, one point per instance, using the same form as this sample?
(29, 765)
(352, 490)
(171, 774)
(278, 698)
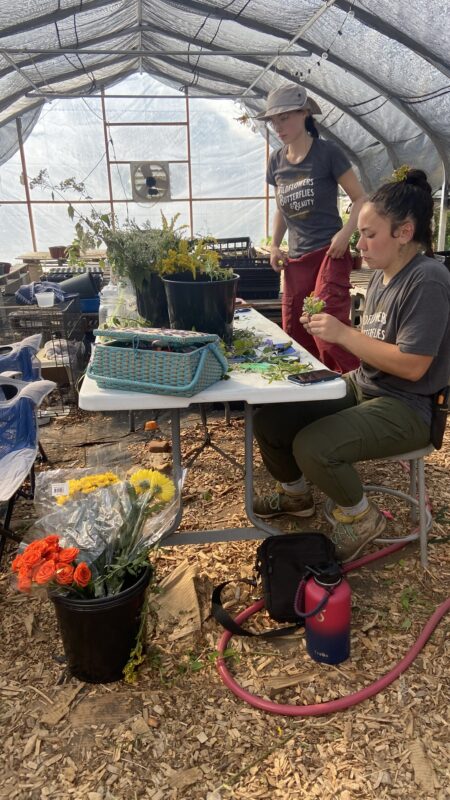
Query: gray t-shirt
(412, 311)
(306, 194)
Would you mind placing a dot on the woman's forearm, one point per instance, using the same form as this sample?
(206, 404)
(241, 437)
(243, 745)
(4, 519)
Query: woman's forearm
(279, 229)
(384, 356)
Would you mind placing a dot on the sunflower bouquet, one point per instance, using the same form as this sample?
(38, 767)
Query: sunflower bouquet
(107, 523)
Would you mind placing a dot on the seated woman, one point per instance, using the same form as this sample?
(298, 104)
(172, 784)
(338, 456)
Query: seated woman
(404, 349)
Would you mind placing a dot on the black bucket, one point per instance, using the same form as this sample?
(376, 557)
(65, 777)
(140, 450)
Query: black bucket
(152, 303)
(99, 634)
(206, 306)
(83, 284)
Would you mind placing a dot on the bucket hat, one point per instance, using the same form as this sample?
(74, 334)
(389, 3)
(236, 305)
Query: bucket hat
(290, 97)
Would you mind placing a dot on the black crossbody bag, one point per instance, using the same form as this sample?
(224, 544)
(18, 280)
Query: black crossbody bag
(283, 564)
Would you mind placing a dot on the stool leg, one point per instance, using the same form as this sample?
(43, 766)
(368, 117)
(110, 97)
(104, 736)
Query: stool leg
(422, 512)
(413, 468)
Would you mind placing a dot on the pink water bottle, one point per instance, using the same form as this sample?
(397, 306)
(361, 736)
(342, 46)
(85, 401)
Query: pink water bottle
(328, 630)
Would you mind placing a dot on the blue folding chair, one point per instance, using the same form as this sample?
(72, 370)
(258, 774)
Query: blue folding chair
(19, 444)
(20, 357)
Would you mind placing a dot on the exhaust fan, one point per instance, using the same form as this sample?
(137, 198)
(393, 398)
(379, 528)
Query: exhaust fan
(150, 181)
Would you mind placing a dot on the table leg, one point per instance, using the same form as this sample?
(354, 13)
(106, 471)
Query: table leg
(208, 442)
(177, 470)
(259, 531)
(249, 488)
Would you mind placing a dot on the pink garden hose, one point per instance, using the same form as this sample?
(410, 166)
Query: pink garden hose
(342, 703)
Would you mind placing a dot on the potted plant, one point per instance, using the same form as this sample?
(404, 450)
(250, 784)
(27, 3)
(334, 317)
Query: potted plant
(201, 294)
(97, 571)
(134, 251)
(356, 255)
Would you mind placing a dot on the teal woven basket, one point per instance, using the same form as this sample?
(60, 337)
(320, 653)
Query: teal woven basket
(157, 361)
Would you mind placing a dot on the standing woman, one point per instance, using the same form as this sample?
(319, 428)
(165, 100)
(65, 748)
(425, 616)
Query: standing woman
(306, 172)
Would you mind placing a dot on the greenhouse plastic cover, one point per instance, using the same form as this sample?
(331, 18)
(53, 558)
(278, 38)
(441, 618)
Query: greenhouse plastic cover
(377, 68)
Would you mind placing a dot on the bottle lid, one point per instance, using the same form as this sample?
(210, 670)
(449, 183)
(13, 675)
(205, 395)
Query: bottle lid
(328, 574)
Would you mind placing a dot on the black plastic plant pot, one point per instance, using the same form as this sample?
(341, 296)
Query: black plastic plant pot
(99, 634)
(152, 303)
(83, 284)
(205, 306)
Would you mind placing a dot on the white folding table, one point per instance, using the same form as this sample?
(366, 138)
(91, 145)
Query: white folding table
(248, 387)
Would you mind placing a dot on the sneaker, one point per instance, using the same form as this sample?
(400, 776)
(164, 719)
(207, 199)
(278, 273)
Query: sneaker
(351, 534)
(272, 505)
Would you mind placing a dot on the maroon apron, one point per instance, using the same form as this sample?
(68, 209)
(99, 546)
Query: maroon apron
(329, 279)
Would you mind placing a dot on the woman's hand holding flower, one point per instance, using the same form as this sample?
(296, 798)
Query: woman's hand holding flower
(325, 326)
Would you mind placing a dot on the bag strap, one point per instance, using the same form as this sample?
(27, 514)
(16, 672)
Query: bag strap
(299, 595)
(227, 621)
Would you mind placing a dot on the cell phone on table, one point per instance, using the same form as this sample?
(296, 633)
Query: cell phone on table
(314, 376)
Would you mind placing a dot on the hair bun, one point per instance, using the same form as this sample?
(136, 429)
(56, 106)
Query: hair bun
(417, 177)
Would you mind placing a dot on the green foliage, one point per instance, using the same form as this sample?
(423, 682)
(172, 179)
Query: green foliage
(198, 258)
(436, 216)
(353, 241)
(313, 305)
(244, 343)
(274, 368)
(260, 357)
(442, 515)
(42, 179)
(407, 598)
(194, 663)
(134, 251)
(354, 238)
(137, 655)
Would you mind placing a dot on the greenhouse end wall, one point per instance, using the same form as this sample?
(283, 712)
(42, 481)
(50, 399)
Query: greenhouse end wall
(227, 164)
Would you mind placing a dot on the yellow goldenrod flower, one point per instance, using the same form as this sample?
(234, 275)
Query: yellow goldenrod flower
(90, 483)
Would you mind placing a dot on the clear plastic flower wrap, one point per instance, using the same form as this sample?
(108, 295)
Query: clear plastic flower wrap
(113, 522)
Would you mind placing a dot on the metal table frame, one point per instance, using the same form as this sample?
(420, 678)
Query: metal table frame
(259, 531)
(248, 387)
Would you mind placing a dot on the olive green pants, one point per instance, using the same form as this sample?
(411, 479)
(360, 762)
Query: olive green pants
(323, 440)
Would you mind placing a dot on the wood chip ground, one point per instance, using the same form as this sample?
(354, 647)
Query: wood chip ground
(178, 733)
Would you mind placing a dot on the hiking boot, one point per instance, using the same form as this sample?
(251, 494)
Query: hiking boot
(273, 505)
(352, 534)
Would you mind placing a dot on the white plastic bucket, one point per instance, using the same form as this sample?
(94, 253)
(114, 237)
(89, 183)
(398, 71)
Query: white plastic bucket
(45, 299)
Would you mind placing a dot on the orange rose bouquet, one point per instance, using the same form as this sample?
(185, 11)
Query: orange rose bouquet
(45, 563)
